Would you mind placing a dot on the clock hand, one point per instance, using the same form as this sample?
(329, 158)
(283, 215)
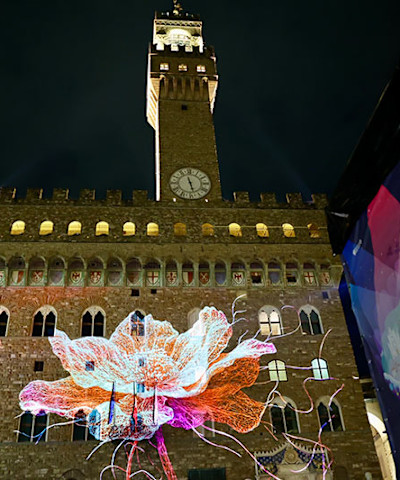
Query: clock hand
(190, 183)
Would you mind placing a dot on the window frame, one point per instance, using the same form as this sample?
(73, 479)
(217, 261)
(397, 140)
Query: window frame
(318, 370)
(282, 404)
(268, 310)
(325, 402)
(47, 310)
(308, 309)
(279, 367)
(5, 310)
(43, 437)
(93, 310)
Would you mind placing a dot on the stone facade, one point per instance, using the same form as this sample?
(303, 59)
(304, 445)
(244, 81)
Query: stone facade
(119, 271)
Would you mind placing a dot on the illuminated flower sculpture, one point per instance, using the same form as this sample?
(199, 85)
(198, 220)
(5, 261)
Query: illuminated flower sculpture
(147, 375)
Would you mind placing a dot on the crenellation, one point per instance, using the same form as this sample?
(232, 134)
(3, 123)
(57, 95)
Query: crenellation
(241, 197)
(268, 200)
(295, 200)
(60, 195)
(34, 194)
(140, 197)
(114, 197)
(320, 200)
(87, 196)
(7, 194)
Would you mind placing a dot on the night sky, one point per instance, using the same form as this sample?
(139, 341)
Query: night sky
(298, 83)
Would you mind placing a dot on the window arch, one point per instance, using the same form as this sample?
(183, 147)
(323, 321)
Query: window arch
(310, 320)
(207, 230)
(292, 273)
(274, 273)
(56, 271)
(171, 273)
(44, 322)
(284, 417)
(37, 271)
(96, 272)
(18, 227)
(16, 271)
(80, 430)
(238, 272)
(133, 272)
(204, 273)
(277, 371)
(320, 369)
(129, 229)
(220, 273)
(288, 230)
(188, 273)
(257, 273)
(153, 230)
(93, 320)
(153, 270)
(76, 272)
(46, 228)
(74, 228)
(330, 415)
(180, 229)
(313, 230)
(33, 428)
(235, 230)
(102, 228)
(114, 272)
(262, 230)
(310, 278)
(270, 320)
(4, 318)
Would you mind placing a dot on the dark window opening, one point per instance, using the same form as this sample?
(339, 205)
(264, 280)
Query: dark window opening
(184, 107)
(153, 291)
(38, 366)
(3, 323)
(135, 292)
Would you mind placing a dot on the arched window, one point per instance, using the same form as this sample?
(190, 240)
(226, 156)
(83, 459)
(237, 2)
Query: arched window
(193, 316)
(37, 269)
(262, 230)
(133, 272)
(81, 429)
(32, 428)
(207, 230)
(288, 230)
(257, 273)
(310, 320)
(56, 272)
(310, 279)
(4, 317)
(138, 324)
(330, 416)
(235, 230)
(152, 230)
(277, 371)
(220, 273)
(46, 228)
(16, 272)
(93, 320)
(292, 273)
(204, 273)
(114, 272)
(274, 273)
(152, 269)
(284, 417)
(102, 228)
(94, 423)
(96, 272)
(44, 322)
(129, 229)
(187, 274)
(313, 230)
(180, 230)
(320, 369)
(325, 274)
(3, 276)
(269, 319)
(76, 272)
(74, 228)
(238, 271)
(18, 228)
(171, 274)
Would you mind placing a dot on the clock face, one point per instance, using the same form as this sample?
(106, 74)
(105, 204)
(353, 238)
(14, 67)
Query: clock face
(190, 183)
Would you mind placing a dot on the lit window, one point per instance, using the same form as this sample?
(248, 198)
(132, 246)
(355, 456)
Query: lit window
(235, 230)
(152, 230)
(32, 428)
(309, 275)
(269, 320)
(320, 369)
(138, 324)
(4, 317)
(128, 229)
(44, 322)
(310, 320)
(93, 322)
(262, 230)
(292, 273)
(256, 273)
(313, 230)
(46, 228)
(18, 227)
(180, 230)
(207, 230)
(288, 230)
(274, 273)
(102, 228)
(183, 67)
(284, 417)
(81, 430)
(201, 68)
(277, 371)
(330, 418)
(74, 228)
(164, 67)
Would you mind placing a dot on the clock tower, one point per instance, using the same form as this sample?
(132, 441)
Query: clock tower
(181, 90)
